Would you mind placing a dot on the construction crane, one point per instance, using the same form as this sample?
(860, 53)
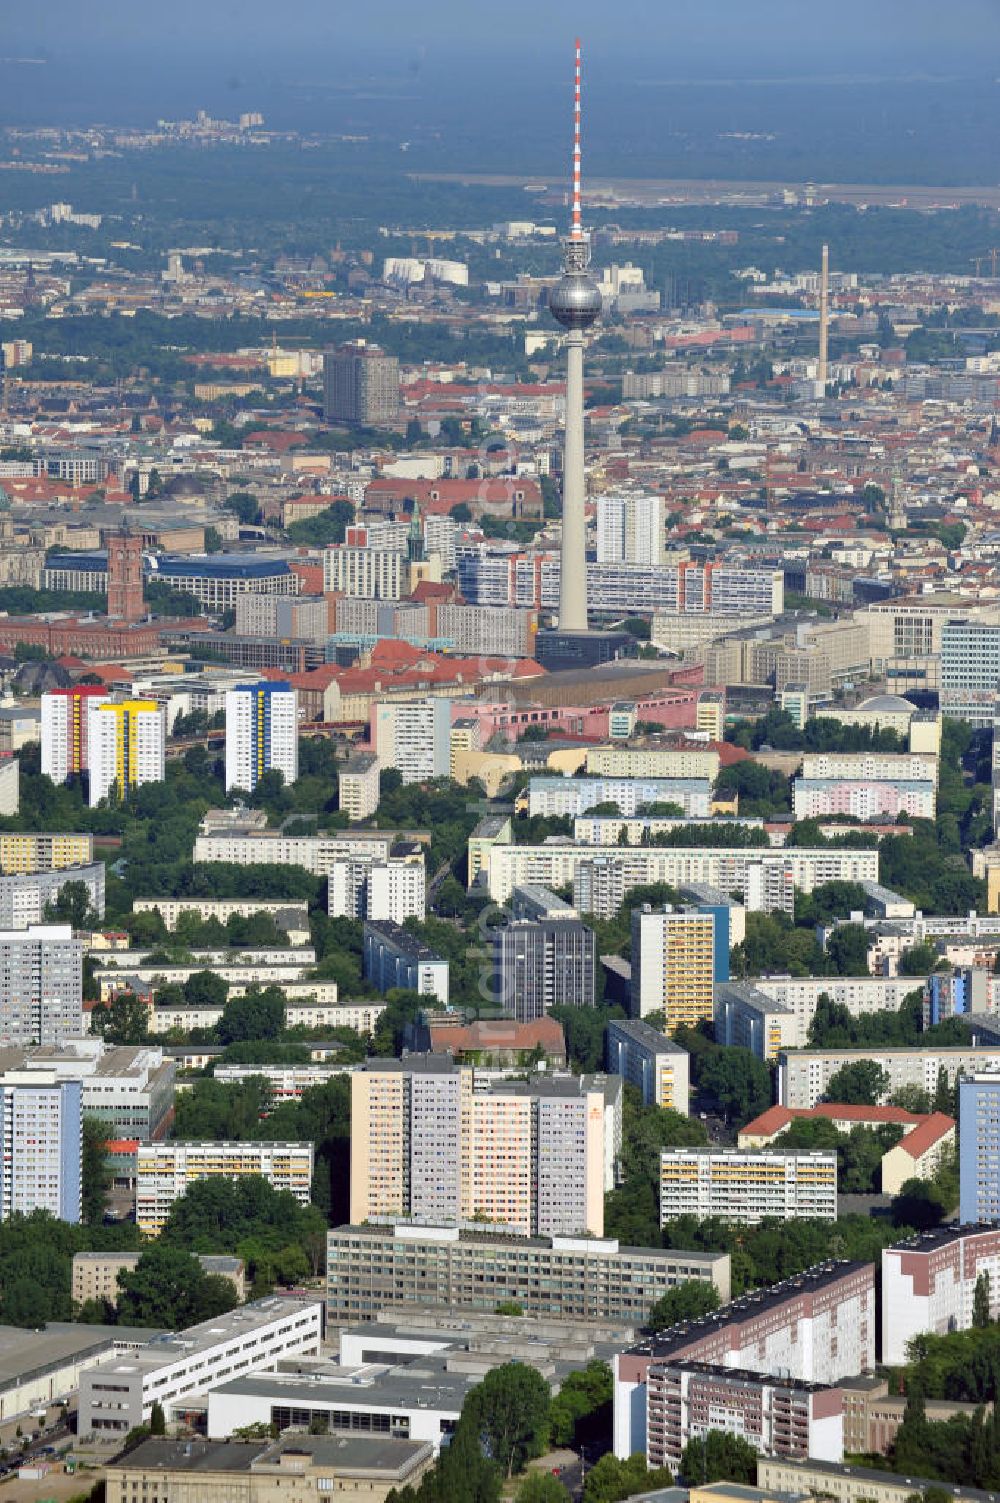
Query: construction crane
(994, 253)
(977, 262)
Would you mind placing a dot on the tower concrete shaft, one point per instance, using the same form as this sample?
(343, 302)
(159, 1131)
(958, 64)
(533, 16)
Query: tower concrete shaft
(573, 565)
(824, 319)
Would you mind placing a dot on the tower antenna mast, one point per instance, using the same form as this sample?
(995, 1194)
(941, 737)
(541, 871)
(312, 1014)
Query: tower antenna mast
(576, 304)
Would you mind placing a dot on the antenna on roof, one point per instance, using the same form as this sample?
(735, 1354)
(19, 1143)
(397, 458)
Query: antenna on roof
(576, 226)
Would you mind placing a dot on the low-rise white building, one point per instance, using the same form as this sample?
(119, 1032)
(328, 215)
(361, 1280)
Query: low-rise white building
(179, 1372)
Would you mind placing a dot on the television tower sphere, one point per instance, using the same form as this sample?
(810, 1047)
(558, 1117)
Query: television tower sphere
(575, 301)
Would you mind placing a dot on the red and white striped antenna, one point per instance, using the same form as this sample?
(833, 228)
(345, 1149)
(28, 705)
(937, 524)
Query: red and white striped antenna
(576, 229)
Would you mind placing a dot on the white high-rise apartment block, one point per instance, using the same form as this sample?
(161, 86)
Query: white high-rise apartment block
(41, 985)
(358, 786)
(379, 573)
(64, 729)
(127, 746)
(41, 1134)
(630, 529)
(262, 733)
(413, 736)
(393, 889)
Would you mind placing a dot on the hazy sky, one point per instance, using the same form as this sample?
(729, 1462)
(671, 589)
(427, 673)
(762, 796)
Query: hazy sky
(744, 32)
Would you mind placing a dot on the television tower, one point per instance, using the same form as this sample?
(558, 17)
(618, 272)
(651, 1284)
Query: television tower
(575, 302)
(824, 321)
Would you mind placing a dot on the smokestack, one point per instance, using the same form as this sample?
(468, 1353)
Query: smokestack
(824, 319)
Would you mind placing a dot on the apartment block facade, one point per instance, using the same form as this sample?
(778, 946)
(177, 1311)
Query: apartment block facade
(673, 965)
(393, 957)
(41, 985)
(370, 1268)
(817, 1327)
(803, 1074)
(392, 890)
(648, 1060)
(533, 1157)
(262, 734)
(127, 747)
(164, 1171)
(748, 1185)
(65, 728)
(41, 1145)
(929, 1284)
(543, 963)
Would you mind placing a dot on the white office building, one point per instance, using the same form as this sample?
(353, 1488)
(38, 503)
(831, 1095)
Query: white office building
(179, 1372)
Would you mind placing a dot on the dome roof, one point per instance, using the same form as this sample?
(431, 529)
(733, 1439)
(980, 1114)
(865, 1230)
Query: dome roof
(888, 704)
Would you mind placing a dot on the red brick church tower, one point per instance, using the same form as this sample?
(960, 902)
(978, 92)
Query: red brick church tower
(125, 602)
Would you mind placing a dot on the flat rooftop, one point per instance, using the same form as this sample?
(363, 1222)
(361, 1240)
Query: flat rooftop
(26, 1354)
(646, 1035)
(424, 1383)
(160, 1455)
(590, 1247)
(161, 1349)
(664, 1344)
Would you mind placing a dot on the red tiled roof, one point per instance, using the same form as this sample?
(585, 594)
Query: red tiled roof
(499, 1033)
(927, 1132)
(777, 1118)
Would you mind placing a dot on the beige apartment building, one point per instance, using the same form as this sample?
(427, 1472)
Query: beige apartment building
(95, 1274)
(164, 1171)
(533, 1157)
(358, 786)
(618, 761)
(351, 1469)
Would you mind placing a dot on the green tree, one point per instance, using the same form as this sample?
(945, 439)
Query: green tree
(610, 1479)
(542, 1487)
(123, 1020)
(157, 1420)
(245, 506)
(686, 1301)
(981, 1316)
(581, 1411)
(861, 1082)
(169, 1288)
(205, 989)
(981, 1302)
(719, 1457)
(95, 1176)
(739, 1081)
(257, 1015)
(72, 905)
(847, 949)
(508, 1415)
